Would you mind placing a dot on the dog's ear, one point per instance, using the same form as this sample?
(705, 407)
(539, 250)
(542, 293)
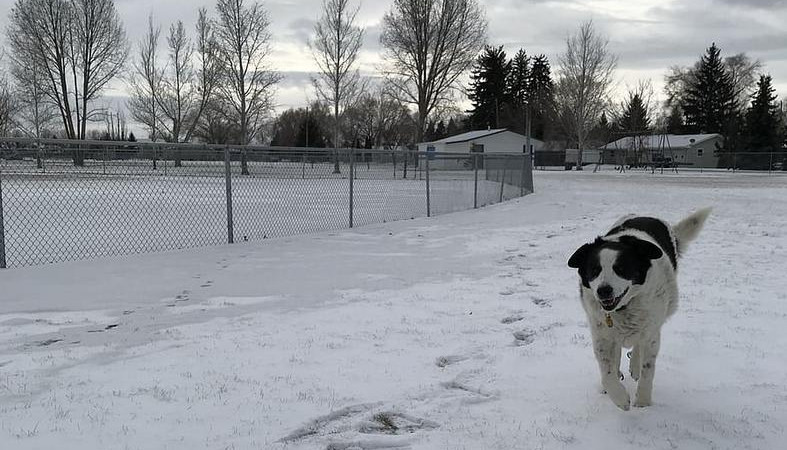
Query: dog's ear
(644, 248)
(579, 257)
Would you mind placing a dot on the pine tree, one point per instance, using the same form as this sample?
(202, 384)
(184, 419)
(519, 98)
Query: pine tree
(763, 125)
(635, 115)
(519, 77)
(709, 104)
(513, 114)
(540, 96)
(488, 89)
(455, 126)
(674, 121)
(440, 130)
(131, 137)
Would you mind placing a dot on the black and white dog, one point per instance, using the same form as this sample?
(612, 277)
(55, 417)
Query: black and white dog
(629, 289)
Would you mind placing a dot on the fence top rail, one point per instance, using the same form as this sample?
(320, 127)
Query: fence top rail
(69, 144)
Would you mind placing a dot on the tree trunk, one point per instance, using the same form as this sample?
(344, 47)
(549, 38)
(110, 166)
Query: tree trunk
(244, 165)
(336, 168)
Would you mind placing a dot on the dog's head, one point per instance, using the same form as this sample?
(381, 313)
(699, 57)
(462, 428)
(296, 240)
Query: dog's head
(614, 270)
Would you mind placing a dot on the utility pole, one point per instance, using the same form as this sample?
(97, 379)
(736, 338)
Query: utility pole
(527, 128)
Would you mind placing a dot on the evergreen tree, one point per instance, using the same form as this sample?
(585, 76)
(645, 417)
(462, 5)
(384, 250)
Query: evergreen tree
(512, 115)
(440, 130)
(488, 88)
(454, 127)
(763, 125)
(541, 97)
(674, 122)
(709, 104)
(519, 78)
(635, 115)
(131, 137)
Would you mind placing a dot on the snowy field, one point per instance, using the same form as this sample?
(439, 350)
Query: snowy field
(462, 331)
(54, 218)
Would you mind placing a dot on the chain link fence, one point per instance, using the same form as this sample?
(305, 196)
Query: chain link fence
(774, 163)
(67, 200)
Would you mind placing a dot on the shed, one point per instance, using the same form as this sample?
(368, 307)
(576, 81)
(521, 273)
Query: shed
(499, 140)
(693, 150)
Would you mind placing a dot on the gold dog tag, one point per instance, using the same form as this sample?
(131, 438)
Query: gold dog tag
(609, 321)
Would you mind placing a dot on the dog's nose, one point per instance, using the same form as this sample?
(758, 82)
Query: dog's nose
(604, 291)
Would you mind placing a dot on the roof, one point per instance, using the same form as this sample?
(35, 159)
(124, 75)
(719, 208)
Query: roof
(469, 136)
(656, 141)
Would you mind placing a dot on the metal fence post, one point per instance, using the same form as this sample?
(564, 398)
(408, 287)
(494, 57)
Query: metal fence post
(428, 194)
(734, 161)
(2, 226)
(352, 188)
(522, 176)
(228, 183)
(770, 162)
(303, 166)
(503, 181)
(475, 184)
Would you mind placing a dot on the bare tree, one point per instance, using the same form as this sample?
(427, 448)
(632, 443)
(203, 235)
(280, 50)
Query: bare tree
(585, 75)
(208, 72)
(78, 45)
(7, 106)
(179, 93)
(38, 36)
(145, 83)
(376, 118)
(243, 37)
(430, 44)
(337, 42)
(744, 72)
(100, 51)
(36, 114)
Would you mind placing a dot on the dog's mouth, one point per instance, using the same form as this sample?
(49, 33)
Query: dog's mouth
(611, 303)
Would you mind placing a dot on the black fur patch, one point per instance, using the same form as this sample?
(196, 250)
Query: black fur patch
(632, 263)
(656, 229)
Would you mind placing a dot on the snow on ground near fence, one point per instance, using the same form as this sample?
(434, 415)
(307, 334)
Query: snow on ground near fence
(461, 331)
(54, 218)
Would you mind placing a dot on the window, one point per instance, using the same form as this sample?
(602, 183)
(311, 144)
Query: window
(699, 153)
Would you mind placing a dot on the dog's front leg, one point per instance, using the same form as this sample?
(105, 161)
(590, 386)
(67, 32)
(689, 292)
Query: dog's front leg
(608, 356)
(634, 363)
(649, 349)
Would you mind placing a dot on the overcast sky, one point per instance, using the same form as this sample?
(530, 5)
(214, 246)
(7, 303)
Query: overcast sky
(647, 35)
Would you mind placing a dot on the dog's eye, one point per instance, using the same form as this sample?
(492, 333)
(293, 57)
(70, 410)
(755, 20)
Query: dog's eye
(622, 271)
(593, 271)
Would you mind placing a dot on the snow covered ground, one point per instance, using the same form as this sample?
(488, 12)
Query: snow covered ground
(55, 218)
(462, 331)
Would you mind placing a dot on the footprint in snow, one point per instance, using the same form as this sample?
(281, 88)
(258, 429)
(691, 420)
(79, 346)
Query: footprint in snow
(525, 336)
(511, 319)
(445, 361)
(542, 302)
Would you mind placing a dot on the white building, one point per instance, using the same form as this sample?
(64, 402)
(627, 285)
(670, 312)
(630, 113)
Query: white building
(498, 140)
(692, 150)
(442, 152)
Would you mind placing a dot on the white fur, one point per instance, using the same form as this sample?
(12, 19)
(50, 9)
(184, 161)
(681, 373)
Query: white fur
(638, 326)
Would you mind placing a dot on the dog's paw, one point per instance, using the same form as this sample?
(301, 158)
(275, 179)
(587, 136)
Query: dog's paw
(642, 402)
(617, 393)
(634, 373)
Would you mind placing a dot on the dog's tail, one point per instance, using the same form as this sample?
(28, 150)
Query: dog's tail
(687, 229)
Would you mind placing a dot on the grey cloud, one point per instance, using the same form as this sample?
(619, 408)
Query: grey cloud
(760, 4)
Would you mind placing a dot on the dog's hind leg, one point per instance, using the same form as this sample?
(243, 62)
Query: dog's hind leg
(634, 363)
(649, 350)
(608, 357)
